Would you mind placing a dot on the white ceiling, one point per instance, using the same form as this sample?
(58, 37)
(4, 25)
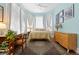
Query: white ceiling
(39, 7)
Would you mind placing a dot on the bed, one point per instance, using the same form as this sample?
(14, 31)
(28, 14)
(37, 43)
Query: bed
(39, 35)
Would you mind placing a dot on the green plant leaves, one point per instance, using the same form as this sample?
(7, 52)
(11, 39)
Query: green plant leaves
(11, 35)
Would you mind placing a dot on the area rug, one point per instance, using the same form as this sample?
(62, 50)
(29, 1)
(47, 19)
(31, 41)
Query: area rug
(27, 51)
(40, 48)
(43, 48)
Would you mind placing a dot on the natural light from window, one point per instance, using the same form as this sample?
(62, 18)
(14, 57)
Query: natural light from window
(39, 22)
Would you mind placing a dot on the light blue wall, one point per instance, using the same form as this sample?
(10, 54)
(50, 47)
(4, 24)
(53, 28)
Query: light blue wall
(70, 25)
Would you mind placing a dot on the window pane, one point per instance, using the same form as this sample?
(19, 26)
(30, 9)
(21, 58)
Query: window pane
(39, 22)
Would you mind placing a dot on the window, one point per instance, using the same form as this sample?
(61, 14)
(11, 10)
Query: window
(39, 22)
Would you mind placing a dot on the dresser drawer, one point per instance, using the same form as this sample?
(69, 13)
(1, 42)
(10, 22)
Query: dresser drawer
(67, 40)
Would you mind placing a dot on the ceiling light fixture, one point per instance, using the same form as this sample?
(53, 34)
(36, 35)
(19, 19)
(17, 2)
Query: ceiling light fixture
(42, 5)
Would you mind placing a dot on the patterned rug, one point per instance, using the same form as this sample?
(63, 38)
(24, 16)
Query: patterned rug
(40, 48)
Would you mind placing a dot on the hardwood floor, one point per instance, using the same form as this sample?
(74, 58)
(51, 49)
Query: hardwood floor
(62, 50)
(45, 48)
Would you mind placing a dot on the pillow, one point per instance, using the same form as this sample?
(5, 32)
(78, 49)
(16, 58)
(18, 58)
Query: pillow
(39, 29)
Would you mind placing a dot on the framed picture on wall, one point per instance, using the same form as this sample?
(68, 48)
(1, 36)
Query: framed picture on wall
(1, 13)
(69, 12)
(61, 17)
(61, 20)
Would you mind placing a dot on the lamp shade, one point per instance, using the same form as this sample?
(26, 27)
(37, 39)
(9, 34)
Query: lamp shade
(2, 26)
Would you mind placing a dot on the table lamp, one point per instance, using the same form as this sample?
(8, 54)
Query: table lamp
(2, 28)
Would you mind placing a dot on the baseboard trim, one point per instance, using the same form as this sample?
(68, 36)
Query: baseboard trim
(77, 51)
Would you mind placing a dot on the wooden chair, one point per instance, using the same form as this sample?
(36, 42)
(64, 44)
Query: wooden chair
(20, 41)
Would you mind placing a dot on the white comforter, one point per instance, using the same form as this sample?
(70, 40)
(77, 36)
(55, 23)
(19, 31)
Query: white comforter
(39, 35)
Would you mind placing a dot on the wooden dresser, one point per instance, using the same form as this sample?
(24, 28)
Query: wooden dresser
(67, 40)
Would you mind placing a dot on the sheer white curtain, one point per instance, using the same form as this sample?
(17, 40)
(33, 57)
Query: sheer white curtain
(34, 22)
(23, 22)
(50, 25)
(39, 22)
(44, 21)
(30, 21)
(15, 18)
(49, 22)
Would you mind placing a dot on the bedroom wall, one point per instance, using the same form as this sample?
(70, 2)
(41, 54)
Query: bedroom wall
(70, 25)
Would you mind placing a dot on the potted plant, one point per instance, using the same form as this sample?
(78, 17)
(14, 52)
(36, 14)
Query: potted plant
(8, 43)
(10, 36)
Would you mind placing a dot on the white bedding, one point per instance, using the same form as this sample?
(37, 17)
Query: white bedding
(39, 35)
